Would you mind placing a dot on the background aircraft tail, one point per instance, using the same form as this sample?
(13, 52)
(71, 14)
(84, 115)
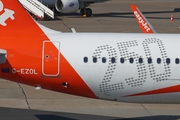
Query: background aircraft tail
(144, 24)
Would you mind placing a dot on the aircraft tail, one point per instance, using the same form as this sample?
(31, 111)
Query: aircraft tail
(144, 24)
(15, 20)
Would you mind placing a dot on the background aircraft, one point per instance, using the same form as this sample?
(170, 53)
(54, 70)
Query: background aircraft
(68, 6)
(143, 23)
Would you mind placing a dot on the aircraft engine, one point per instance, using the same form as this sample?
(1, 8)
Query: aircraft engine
(67, 6)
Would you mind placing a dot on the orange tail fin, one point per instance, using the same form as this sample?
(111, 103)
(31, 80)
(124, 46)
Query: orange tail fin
(144, 24)
(15, 20)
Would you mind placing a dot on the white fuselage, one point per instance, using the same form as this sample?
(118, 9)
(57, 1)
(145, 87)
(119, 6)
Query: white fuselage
(150, 63)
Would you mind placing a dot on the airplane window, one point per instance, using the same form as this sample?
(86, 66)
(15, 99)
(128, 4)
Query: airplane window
(131, 60)
(159, 60)
(113, 60)
(149, 60)
(104, 60)
(168, 60)
(85, 59)
(177, 60)
(122, 60)
(94, 59)
(140, 60)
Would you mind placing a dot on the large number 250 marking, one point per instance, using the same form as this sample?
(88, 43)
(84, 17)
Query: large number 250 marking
(105, 86)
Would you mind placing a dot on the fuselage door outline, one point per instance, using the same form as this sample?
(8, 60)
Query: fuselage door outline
(51, 58)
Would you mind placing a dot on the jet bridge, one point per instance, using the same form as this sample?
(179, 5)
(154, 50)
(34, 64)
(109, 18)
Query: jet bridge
(37, 8)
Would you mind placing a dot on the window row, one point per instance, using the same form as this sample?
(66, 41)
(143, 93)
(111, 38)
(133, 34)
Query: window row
(132, 60)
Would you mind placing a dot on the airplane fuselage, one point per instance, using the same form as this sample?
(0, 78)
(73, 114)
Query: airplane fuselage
(113, 66)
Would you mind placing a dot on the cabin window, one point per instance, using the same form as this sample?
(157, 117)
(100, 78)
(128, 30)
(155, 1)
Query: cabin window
(177, 60)
(149, 60)
(159, 60)
(131, 60)
(122, 60)
(85, 59)
(113, 60)
(168, 60)
(140, 60)
(104, 60)
(94, 59)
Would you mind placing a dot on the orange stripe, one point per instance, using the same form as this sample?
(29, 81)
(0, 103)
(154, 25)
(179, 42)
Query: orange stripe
(171, 89)
(76, 85)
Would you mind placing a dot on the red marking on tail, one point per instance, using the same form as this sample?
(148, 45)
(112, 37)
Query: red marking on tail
(145, 27)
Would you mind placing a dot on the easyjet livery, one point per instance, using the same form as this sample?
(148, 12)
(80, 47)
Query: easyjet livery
(143, 23)
(128, 67)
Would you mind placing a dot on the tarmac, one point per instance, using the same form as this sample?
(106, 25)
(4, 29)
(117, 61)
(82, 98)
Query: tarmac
(21, 102)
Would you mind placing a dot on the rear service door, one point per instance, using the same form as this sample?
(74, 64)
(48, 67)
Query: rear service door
(51, 58)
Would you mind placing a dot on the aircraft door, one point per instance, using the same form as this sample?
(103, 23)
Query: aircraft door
(51, 58)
